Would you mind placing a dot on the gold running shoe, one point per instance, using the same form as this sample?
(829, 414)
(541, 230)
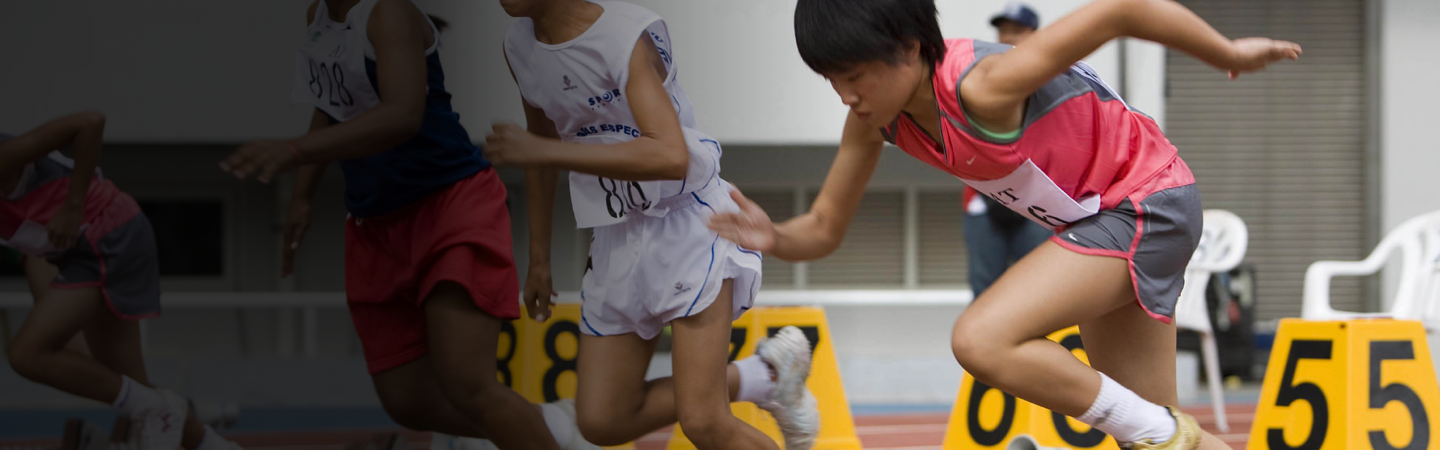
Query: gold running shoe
(1187, 435)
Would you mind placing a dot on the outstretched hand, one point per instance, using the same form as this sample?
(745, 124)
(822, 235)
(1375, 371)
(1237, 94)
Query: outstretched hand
(750, 227)
(1253, 54)
(263, 158)
(510, 145)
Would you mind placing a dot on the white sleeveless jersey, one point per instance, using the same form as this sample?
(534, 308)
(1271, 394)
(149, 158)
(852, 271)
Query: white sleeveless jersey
(581, 86)
(330, 66)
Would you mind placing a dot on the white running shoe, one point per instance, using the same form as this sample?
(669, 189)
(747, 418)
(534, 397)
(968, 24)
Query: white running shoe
(578, 442)
(792, 404)
(162, 429)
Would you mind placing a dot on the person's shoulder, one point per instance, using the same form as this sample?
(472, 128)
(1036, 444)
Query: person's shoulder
(986, 48)
(310, 12)
(630, 11)
(969, 50)
(521, 31)
(959, 42)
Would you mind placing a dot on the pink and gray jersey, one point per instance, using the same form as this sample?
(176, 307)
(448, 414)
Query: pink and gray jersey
(41, 191)
(1080, 148)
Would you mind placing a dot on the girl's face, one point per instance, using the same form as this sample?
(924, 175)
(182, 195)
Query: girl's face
(877, 91)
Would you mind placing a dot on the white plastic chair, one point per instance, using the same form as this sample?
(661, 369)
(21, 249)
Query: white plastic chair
(1222, 245)
(1417, 296)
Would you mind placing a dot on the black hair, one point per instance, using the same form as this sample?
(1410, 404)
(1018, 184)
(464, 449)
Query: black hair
(440, 24)
(835, 35)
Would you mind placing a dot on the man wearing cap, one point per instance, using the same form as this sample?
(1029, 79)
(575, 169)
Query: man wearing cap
(1015, 23)
(995, 236)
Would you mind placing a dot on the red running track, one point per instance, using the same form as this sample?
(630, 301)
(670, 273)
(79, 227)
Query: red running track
(927, 431)
(888, 432)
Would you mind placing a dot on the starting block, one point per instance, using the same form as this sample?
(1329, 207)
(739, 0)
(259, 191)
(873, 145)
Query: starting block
(538, 360)
(987, 418)
(1357, 384)
(837, 428)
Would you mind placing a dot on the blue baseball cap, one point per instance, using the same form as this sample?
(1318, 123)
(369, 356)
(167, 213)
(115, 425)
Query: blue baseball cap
(1019, 13)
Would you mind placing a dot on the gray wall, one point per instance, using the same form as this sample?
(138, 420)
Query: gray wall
(234, 354)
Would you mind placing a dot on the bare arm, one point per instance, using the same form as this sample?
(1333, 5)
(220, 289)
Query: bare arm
(307, 180)
(659, 153)
(995, 90)
(540, 191)
(540, 197)
(307, 177)
(817, 233)
(85, 132)
(539, 184)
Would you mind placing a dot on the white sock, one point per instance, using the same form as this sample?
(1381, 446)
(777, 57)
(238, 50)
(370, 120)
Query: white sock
(755, 381)
(135, 397)
(1122, 414)
(561, 426)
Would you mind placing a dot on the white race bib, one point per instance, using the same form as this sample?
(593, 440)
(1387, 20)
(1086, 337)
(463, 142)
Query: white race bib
(330, 73)
(1034, 195)
(600, 201)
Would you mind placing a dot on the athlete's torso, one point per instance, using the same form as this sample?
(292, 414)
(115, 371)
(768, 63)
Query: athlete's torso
(335, 72)
(581, 85)
(1080, 148)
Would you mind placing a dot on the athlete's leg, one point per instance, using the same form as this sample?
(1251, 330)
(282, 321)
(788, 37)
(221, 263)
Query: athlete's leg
(109, 340)
(115, 342)
(701, 385)
(39, 351)
(1138, 352)
(614, 403)
(1000, 338)
(462, 340)
(38, 275)
(411, 395)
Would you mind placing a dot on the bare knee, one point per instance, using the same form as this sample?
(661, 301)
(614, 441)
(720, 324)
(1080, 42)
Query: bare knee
(598, 424)
(602, 435)
(412, 414)
(27, 359)
(409, 411)
(977, 350)
(471, 393)
(705, 424)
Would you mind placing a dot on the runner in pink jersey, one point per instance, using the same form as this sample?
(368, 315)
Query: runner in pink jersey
(91, 261)
(1039, 132)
